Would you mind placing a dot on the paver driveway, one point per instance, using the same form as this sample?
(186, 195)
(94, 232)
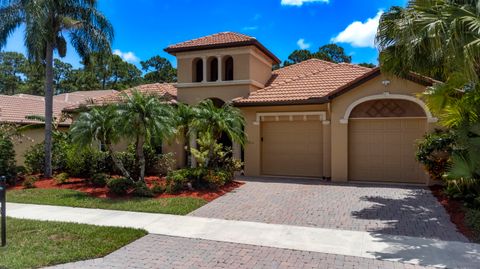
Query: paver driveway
(386, 209)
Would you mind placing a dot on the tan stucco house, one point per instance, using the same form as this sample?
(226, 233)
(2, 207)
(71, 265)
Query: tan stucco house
(313, 119)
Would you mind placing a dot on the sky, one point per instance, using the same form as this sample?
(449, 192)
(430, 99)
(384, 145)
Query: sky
(143, 28)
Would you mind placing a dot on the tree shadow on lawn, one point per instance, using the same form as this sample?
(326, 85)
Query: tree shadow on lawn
(417, 214)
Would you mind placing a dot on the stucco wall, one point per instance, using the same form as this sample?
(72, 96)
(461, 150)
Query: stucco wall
(339, 131)
(252, 151)
(194, 95)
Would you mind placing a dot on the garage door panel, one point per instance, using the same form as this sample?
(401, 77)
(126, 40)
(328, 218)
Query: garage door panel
(384, 150)
(292, 148)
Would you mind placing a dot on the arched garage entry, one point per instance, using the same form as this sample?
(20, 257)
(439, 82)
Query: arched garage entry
(382, 133)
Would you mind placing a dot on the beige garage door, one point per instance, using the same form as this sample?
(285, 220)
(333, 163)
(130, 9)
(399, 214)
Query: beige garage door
(384, 150)
(292, 148)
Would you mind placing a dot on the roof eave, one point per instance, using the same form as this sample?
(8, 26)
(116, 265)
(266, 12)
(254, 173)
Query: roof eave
(310, 101)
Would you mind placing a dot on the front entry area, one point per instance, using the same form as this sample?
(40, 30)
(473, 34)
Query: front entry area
(292, 148)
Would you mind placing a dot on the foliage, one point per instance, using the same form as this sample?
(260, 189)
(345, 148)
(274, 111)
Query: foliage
(157, 188)
(435, 151)
(35, 157)
(7, 160)
(37, 244)
(158, 70)
(61, 178)
(99, 179)
(165, 163)
(330, 52)
(29, 182)
(178, 180)
(141, 190)
(119, 186)
(146, 119)
(12, 67)
(63, 197)
(86, 162)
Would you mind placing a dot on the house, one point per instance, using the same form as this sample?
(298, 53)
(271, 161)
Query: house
(15, 109)
(313, 119)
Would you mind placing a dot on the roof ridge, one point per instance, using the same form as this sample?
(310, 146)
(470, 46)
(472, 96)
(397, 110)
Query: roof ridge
(303, 62)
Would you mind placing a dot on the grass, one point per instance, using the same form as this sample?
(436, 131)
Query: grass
(33, 244)
(73, 198)
(472, 219)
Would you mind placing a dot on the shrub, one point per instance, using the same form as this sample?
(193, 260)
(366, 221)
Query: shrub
(216, 179)
(61, 178)
(435, 151)
(472, 219)
(7, 160)
(178, 180)
(99, 180)
(35, 156)
(29, 182)
(141, 190)
(119, 186)
(157, 188)
(86, 162)
(164, 164)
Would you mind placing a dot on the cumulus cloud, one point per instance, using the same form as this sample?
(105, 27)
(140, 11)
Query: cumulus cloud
(126, 56)
(300, 2)
(302, 44)
(360, 34)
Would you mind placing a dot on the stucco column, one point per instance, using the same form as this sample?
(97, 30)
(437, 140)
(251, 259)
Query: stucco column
(219, 60)
(204, 61)
(193, 145)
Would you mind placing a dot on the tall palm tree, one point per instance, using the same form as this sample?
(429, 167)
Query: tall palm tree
(219, 120)
(441, 38)
(146, 118)
(99, 125)
(47, 22)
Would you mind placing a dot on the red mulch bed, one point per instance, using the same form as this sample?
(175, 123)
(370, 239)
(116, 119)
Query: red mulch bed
(455, 209)
(79, 184)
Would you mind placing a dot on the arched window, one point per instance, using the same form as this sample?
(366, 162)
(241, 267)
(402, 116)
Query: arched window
(229, 68)
(197, 71)
(213, 66)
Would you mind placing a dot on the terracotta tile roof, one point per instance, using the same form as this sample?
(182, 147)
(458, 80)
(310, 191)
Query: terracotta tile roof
(310, 79)
(81, 96)
(220, 40)
(164, 90)
(14, 109)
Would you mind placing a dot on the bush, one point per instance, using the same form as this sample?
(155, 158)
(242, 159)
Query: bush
(157, 188)
(216, 179)
(29, 182)
(435, 152)
(99, 180)
(61, 178)
(35, 156)
(119, 186)
(86, 162)
(7, 160)
(178, 180)
(163, 165)
(472, 219)
(141, 190)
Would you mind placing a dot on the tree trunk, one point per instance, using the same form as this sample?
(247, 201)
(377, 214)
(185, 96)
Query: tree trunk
(48, 110)
(118, 163)
(141, 156)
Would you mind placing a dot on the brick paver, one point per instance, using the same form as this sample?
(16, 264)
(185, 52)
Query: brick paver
(386, 209)
(157, 251)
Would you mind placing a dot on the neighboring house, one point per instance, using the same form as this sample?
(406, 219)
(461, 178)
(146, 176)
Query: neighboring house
(313, 119)
(15, 108)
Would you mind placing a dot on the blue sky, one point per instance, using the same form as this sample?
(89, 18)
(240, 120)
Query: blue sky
(143, 28)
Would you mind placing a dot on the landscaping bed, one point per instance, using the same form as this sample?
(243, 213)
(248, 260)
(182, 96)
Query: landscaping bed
(466, 220)
(78, 192)
(34, 244)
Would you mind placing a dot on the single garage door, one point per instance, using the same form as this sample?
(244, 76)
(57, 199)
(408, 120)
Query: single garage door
(292, 148)
(384, 150)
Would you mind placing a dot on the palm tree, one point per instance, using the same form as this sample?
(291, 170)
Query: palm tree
(441, 38)
(219, 120)
(46, 23)
(99, 125)
(185, 116)
(146, 118)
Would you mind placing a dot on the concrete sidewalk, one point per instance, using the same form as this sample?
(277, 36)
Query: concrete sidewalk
(426, 252)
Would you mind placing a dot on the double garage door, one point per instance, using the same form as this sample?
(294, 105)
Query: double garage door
(379, 149)
(292, 148)
(384, 150)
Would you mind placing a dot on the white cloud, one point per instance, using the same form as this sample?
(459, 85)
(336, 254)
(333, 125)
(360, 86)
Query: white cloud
(127, 56)
(300, 2)
(360, 34)
(302, 45)
(250, 28)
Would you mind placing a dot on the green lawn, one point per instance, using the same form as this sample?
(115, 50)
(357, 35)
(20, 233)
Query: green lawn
(62, 197)
(33, 244)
